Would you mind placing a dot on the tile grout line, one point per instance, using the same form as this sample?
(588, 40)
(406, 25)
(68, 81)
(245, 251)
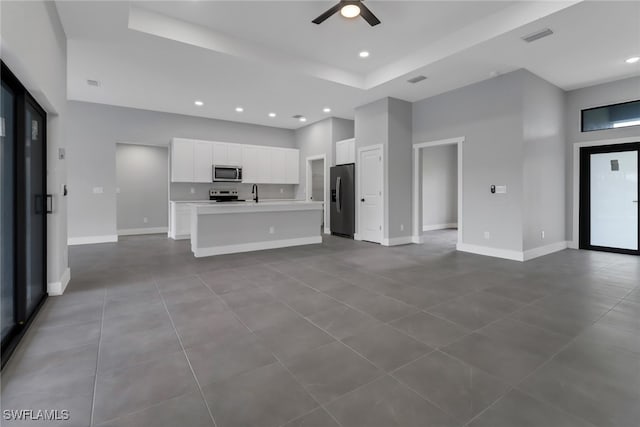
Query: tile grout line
(184, 352)
(543, 364)
(95, 378)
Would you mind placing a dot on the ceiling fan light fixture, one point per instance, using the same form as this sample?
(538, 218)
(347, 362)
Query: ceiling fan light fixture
(350, 11)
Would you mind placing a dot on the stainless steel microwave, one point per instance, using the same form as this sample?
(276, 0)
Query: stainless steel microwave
(222, 173)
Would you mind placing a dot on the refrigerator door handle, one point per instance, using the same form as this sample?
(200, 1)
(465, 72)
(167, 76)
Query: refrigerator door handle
(339, 194)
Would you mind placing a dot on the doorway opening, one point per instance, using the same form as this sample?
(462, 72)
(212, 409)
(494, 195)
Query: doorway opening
(142, 193)
(437, 192)
(316, 186)
(609, 192)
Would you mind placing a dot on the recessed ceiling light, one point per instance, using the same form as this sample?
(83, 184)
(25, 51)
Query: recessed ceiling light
(633, 60)
(199, 103)
(272, 114)
(350, 11)
(326, 110)
(364, 54)
(239, 109)
(303, 119)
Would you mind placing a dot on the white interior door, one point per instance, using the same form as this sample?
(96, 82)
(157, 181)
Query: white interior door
(614, 200)
(370, 179)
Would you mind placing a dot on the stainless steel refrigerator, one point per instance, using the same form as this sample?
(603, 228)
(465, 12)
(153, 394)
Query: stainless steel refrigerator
(343, 200)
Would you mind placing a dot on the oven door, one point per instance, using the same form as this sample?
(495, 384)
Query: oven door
(227, 174)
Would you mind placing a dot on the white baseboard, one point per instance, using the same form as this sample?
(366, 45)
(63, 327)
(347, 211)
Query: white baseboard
(141, 231)
(57, 288)
(485, 250)
(90, 240)
(395, 241)
(510, 254)
(327, 230)
(356, 236)
(256, 246)
(180, 237)
(439, 226)
(417, 240)
(571, 244)
(545, 250)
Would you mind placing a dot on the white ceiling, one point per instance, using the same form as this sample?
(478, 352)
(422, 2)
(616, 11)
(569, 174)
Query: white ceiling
(267, 56)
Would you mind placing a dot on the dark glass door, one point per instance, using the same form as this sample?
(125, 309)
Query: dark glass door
(7, 203)
(23, 209)
(35, 209)
(609, 192)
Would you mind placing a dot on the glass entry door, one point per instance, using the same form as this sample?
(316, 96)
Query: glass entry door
(609, 211)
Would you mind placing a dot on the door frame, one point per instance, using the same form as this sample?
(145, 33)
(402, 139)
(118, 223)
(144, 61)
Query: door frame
(383, 196)
(325, 185)
(584, 226)
(574, 243)
(417, 185)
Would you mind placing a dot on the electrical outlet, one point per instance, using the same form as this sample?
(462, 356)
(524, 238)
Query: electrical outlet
(193, 190)
(145, 220)
(487, 235)
(401, 227)
(281, 190)
(542, 234)
(272, 230)
(117, 190)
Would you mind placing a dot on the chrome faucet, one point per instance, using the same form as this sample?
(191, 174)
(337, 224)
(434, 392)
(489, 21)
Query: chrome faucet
(254, 191)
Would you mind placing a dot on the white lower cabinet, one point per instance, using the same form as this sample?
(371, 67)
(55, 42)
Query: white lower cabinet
(179, 221)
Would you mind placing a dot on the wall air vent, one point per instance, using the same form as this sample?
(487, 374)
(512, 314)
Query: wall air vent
(93, 83)
(416, 79)
(537, 35)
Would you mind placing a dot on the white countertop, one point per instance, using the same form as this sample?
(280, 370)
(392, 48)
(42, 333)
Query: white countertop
(250, 206)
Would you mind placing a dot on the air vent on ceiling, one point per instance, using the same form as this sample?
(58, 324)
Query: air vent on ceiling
(417, 79)
(537, 35)
(298, 116)
(93, 83)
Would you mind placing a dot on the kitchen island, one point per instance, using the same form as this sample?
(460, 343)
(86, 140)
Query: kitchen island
(232, 227)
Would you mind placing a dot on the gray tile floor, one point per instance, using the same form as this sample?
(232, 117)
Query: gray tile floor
(344, 334)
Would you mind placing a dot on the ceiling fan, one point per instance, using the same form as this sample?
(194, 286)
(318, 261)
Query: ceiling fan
(349, 9)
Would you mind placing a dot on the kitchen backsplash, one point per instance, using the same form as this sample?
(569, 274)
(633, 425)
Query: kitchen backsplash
(182, 191)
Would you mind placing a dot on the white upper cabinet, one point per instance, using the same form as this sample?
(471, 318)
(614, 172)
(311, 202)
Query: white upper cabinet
(278, 166)
(346, 151)
(292, 166)
(182, 160)
(192, 161)
(202, 161)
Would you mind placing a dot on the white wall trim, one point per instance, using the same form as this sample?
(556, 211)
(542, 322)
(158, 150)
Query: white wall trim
(575, 233)
(417, 183)
(90, 240)
(140, 231)
(439, 226)
(544, 250)
(256, 246)
(58, 288)
(395, 241)
(382, 187)
(327, 229)
(417, 239)
(356, 236)
(308, 184)
(493, 252)
(513, 255)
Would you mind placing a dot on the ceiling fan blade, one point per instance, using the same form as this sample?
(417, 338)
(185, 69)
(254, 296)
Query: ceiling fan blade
(320, 19)
(368, 15)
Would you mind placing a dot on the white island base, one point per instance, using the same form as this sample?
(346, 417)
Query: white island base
(226, 228)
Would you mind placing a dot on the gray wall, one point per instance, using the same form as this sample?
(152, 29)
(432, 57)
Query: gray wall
(312, 140)
(399, 176)
(594, 96)
(440, 185)
(34, 48)
(544, 163)
(489, 115)
(92, 153)
(142, 173)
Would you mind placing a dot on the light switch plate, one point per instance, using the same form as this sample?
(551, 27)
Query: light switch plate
(501, 189)
(98, 190)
